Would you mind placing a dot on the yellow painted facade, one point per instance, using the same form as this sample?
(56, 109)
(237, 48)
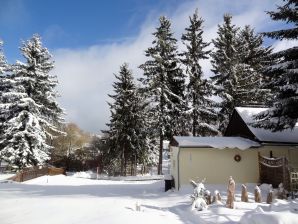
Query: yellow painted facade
(216, 165)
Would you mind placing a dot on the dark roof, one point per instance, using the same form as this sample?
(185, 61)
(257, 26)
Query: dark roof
(239, 125)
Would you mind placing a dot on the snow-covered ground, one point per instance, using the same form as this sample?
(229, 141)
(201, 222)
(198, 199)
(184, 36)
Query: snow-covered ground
(4, 176)
(92, 175)
(65, 199)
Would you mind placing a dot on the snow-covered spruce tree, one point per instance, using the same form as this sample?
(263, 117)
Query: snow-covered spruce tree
(32, 110)
(148, 149)
(3, 62)
(127, 125)
(224, 62)
(237, 63)
(163, 85)
(24, 140)
(253, 57)
(41, 84)
(199, 90)
(3, 88)
(283, 74)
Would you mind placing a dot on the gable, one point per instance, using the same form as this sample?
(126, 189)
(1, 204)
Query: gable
(243, 116)
(237, 127)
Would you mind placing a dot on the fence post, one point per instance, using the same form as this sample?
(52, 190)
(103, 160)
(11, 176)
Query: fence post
(284, 173)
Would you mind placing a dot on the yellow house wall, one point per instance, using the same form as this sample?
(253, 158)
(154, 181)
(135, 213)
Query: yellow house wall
(216, 165)
(291, 152)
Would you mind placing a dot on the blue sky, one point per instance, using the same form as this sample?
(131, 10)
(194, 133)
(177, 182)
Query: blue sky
(73, 23)
(90, 39)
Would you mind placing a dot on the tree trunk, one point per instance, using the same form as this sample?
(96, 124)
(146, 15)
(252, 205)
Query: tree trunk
(194, 125)
(159, 171)
(125, 164)
(194, 119)
(122, 163)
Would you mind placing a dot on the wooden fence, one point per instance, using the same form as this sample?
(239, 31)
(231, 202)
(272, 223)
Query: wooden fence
(34, 172)
(274, 171)
(294, 182)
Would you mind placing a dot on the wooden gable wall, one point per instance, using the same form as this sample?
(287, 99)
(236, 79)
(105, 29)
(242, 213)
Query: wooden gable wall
(237, 127)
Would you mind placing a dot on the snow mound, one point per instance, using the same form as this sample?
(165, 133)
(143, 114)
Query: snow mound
(282, 212)
(216, 142)
(92, 175)
(87, 175)
(4, 176)
(59, 180)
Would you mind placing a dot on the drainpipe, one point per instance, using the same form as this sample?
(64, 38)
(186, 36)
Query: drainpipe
(178, 159)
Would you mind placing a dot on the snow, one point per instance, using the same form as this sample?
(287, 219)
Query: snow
(91, 175)
(64, 199)
(263, 135)
(216, 142)
(4, 176)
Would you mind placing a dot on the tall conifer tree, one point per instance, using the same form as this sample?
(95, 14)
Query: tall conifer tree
(164, 85)
(4, 86)
(283, 75)
(253, 58)
(199, 90)
(224, 62)
(31, 112)
(127, 125)
(41, 84)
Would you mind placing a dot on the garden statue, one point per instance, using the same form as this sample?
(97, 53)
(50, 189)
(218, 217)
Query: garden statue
(231, 193)
(258, 197)
(244, 194)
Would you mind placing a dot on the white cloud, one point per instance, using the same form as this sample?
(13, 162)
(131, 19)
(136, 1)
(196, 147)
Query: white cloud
(284, 44)
(86, 75)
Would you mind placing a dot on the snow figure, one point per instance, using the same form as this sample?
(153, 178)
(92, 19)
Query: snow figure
(244, 195)
(281, 193)
(198, 196)
(231, 193)
(258, 197)
(216, 198)
(199, 204)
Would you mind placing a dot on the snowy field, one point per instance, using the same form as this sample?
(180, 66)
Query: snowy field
(64, 199)
(6, 176)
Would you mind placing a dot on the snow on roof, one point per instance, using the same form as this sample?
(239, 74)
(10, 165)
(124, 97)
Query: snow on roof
(263, 135)
(216, 142)
(166, 144)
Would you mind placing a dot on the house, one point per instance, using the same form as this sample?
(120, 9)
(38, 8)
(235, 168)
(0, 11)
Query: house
(274, 144)
(250, 155)
(214, 158)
